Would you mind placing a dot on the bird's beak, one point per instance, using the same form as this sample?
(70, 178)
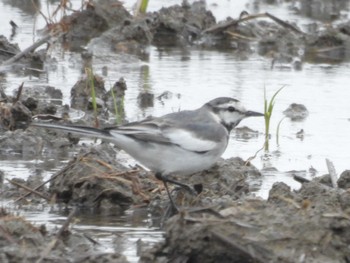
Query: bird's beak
(253, 114)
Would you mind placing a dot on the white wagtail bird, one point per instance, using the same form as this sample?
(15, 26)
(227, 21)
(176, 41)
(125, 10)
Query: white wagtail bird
(181, 143)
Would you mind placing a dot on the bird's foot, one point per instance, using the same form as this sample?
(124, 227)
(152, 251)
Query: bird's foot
(195, 190)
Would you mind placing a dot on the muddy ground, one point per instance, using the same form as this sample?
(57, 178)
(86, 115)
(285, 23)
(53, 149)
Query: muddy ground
(224, 222)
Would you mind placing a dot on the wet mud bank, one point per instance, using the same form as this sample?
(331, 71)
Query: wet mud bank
(308, 225)
(225, 222)
(22, 241)
(104, 25)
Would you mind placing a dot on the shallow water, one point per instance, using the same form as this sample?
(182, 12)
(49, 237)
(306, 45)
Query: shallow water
(194, 77)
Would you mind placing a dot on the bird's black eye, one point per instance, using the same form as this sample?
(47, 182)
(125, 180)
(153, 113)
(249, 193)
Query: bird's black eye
(231, 109)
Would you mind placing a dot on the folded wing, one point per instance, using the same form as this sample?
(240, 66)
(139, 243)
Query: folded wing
(161, 132)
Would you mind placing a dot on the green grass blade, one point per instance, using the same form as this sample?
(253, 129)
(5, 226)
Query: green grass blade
(268, 109)
(272, 101)
(143, 7)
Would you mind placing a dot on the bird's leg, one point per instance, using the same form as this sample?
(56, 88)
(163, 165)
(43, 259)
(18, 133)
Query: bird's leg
(159, 176)
(165, 180)
(174, 207)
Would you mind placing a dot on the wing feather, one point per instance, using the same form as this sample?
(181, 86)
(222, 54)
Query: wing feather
(160, 131)
(188, 140)
(145, 131)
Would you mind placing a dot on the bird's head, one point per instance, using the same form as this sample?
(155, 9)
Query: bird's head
(229, 112)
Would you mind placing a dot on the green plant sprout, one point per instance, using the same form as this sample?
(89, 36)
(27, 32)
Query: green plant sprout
(141, 7)
(91, 82)
(268, 109)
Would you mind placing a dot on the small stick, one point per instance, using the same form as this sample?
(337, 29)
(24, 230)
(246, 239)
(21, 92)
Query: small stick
(224, 26)
(27, 50)
(239, 36)
(254, 156)
(106, 177)
(19, 93)
(8, 52)
(300, 179)
(28, 189)
(284, 24)
(47, 181)
(332, 173)
(102, 163)
(327, 49)
(130, 172)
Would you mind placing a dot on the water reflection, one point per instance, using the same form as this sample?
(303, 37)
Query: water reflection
(145, 98)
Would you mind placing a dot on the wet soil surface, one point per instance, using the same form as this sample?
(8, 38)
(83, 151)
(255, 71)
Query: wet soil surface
(308, 225)
(224, 222)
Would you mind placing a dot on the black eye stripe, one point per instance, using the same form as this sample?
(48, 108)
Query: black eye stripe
(229, 109)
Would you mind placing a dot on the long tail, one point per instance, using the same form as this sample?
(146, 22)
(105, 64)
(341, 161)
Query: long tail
(83, 130)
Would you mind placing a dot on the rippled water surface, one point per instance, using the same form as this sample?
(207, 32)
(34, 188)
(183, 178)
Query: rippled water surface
(193, 77)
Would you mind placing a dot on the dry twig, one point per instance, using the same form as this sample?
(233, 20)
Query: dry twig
(27, 50)
(29, 189)
(222, 27)
(70, 165)
(332, 173)
(19, 93)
